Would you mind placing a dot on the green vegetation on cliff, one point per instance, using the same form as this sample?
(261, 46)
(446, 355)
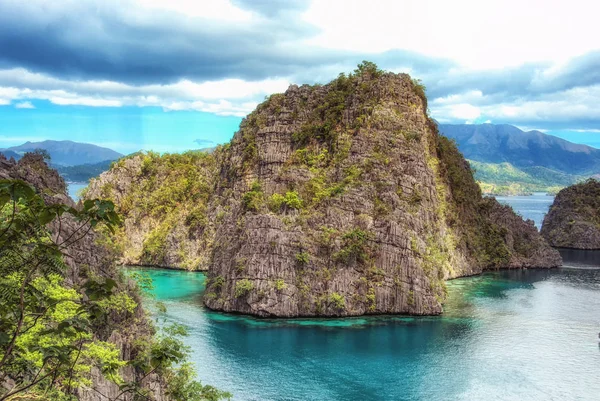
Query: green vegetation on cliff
(57, 319)
(163, 200)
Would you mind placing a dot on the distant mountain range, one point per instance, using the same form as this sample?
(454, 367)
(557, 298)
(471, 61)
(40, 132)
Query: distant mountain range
(510, 161)
(9, 153)
(490, 143)
(506, 159)
(65, 153)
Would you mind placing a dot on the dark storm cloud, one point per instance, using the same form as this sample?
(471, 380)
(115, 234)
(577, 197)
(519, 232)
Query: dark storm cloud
(103, 40)
(87, 40)
(529, 81)
(114, 41)
(580, 71)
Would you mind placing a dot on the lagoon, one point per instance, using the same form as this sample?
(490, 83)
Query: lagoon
(73, 189)
(532, 207)
(527, 335)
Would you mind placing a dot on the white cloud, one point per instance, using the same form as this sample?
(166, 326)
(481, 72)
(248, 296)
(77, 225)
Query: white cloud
(8, 92)
(467, 97)
(221, 10)
(225, 97)
(570, 109)
(596, 131)
(25, 105)
(464, 111)
(478, 34)
(85, 101)
(222, 107)
(230, 88)
(4, 102)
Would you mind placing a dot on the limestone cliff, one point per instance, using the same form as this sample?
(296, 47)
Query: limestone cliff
(331, 200)
(573, 220)
(163, 200)
(343, 200)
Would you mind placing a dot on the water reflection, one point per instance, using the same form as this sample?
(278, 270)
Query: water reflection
(580, 258)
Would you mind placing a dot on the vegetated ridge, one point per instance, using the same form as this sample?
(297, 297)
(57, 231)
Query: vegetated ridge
(573, 220)
(506, 179)
(164, 201)
(522, 161)
(83, 328)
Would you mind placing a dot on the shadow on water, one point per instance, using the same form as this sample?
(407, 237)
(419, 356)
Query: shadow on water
(580, 258)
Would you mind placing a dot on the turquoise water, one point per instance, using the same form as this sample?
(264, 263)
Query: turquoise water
(532, 207)
(522, 335)
(73, 189)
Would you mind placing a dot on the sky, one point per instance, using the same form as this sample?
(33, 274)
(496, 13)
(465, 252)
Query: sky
(175, 75)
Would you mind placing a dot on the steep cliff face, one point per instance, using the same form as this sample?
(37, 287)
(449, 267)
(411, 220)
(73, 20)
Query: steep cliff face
(343, 200)
(84, 259)
(573, 220)
(163, 200)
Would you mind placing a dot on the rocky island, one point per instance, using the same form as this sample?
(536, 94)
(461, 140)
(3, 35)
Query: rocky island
(331, 200)
(573, 220)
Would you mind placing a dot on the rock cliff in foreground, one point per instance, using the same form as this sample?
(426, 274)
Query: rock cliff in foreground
(163, 201)
(573, 220)
(343, 199)
(86, 260)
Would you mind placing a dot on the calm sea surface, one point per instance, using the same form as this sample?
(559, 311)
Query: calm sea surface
(73, 189)
(522, 335)
(532, 207)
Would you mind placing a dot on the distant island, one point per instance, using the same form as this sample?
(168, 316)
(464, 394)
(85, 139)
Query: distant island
(573, 220)
(65, 153)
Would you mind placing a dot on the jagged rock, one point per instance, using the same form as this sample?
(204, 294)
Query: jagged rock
(388, 209)
(331, 200)
(573, 220)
